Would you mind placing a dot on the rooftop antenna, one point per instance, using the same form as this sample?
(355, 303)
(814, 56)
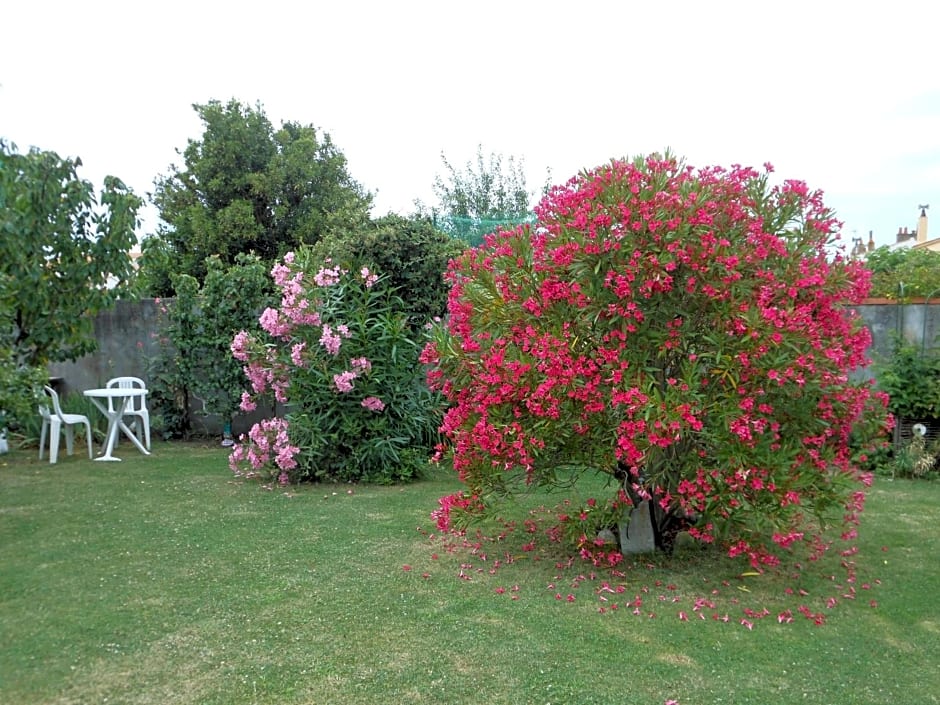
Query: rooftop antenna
(924, 207)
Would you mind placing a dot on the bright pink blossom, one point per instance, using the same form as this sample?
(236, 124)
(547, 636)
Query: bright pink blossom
(240, 346)
(368, 277)
(296, 353)
(247, 403)
(343, 381)
(330, 340)
(327, 276)
(373, 404)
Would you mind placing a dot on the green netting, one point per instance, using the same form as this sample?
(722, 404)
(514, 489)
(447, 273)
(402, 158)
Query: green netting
(472, 230)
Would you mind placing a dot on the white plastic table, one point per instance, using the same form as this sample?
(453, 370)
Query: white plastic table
(120, 396)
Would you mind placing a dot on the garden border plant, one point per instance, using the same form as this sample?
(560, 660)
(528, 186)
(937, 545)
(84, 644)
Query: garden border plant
(20, 394)
(911, 379)
(340, 356)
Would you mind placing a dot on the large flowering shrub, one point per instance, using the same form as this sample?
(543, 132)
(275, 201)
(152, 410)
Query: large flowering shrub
(687, 332)
(340, 358)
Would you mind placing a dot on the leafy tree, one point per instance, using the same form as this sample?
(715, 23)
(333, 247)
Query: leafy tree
(904, 272)
(411, 254)
(246, 187)
(198, 325)
(486, 191)
(683, 332)
(64, 255)
(481, 197)
(20, 390)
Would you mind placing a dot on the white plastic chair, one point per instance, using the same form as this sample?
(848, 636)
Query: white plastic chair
(54, 422)
(135, 407)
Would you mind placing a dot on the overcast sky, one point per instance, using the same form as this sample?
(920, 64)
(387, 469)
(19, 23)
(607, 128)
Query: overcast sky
(845, 96)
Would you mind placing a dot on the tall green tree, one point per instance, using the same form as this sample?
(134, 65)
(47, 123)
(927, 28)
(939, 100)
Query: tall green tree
(494, 187)
(904, 272)
(410, 253)
(246, 187)
(64, 254)
(488, 192)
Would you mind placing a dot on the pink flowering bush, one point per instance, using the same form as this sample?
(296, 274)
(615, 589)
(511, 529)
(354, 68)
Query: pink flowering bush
(686, 332)
(339, 357)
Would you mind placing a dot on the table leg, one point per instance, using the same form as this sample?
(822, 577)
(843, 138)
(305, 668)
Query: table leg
(130, 434)
(115, 426)
(113, 422)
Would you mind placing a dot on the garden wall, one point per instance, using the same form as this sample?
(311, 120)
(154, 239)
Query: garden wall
(126, 340)
(917, 321)
(126, 336)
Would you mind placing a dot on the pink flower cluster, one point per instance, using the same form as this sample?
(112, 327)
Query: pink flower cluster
(269, 442)
(373, 404)
(370, 278)
(343, 381)
(240, 346)
(328, 276)
(297, 353)
(264, 371)
(331, 341)
(303, 344)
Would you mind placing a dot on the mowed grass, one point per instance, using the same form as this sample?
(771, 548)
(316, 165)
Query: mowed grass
(162, 580)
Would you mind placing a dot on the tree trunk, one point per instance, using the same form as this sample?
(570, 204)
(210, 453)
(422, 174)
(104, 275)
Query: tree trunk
(646, 526)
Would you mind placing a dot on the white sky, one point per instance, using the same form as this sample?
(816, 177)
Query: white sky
(845, 96)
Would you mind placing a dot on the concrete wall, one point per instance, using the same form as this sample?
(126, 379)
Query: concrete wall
(917, 322)
(126, 339)
(126, 336)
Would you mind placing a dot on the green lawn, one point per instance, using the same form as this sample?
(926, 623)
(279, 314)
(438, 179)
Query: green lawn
(162, 580)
